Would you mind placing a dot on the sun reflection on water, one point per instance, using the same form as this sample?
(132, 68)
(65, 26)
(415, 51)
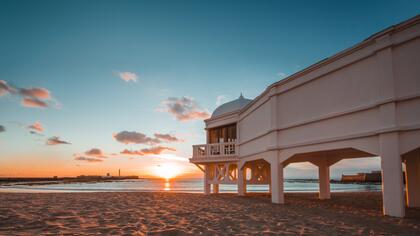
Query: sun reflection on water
(167, 186)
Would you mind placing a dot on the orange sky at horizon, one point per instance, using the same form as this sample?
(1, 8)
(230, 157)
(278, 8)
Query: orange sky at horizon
(49, 165)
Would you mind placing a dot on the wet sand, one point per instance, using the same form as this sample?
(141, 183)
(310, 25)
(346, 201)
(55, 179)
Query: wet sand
(197, 214)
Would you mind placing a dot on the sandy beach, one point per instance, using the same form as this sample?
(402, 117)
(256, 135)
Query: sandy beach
(195, 214)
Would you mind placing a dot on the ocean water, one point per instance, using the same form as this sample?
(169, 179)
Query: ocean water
(180, 185)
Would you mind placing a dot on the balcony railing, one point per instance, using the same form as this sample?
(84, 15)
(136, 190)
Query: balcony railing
(215, 150)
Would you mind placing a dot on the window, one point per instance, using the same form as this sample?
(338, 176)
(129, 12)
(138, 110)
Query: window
(223, 134)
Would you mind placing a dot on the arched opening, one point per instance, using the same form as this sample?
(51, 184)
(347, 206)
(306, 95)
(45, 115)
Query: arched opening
(257, 176)
(318, 171)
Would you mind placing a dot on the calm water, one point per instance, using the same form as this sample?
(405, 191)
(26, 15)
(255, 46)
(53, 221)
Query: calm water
(180, 185)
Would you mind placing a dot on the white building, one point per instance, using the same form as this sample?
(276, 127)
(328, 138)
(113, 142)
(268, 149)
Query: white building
(361, 102)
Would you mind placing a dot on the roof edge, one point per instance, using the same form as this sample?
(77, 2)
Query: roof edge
(394, 28)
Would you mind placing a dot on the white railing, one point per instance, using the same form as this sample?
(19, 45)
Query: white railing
(215, 150)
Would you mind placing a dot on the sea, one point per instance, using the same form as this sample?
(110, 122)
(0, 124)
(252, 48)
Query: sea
(180, 185)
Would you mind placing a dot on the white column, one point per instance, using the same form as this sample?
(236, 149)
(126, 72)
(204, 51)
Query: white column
(392, 181)
(277, 195)
(241, 181)
(206, 179)
(215, 188)
(412, 176)
(324, 180)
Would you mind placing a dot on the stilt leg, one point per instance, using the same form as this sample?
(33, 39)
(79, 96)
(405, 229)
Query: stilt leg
(392, 181)
(412, 175)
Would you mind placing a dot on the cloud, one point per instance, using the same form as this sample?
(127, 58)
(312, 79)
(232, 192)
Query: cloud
(95, 152)
(39, 93)
(167, 137)
(2, 128)
(35, 97)
(55, 141)
(6, 88)
(184, 109)
(131, 152)
(148, 151)
(91, 155)
(33, 102)
(157, 150)
(127, 137)
(37, 126)
(87, 159)
(220, 99)
(31, 97)
(128, 76)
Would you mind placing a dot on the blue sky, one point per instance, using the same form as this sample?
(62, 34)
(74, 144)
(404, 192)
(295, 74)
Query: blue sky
(198, 49)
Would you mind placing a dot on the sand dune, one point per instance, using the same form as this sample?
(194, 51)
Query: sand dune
(197, 214)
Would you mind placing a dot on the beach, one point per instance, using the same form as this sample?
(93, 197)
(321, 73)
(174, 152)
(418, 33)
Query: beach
(167, 213)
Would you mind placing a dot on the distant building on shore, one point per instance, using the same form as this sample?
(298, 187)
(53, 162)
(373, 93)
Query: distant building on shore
(108, 177)
(89, 177)
(373, 176)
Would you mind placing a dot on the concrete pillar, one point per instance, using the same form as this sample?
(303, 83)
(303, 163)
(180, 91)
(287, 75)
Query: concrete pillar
(215, 188)
(206, 179)
(392, 180)
(412, 177)
(241, 181)
(324, 180)
(277, 194)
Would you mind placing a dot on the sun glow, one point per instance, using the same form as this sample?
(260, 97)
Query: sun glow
(167, 171)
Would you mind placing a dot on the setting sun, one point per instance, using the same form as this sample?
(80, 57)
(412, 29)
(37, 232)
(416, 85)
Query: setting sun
(166, 171)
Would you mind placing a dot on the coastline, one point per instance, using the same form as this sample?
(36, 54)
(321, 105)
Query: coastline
(177, 185)
(166, 213)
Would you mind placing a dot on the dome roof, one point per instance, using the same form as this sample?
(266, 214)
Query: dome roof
(231, 106)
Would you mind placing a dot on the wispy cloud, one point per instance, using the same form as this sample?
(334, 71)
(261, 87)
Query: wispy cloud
(2, 129)
(128, 76)
(5, 88)
(134, 137)
(37, 127)
(157, 150)
(132, 152)
(148, 151)
(55, 141)
(183, 109)
(220, 100)
(87, 159)
(167, 137)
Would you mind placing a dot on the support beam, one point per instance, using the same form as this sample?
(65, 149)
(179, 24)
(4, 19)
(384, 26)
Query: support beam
(412, 175)
(206, 179)
(241, 181)
(215, 188)
(324, 180)
(392, 177)
(277, 194)
(199, 167)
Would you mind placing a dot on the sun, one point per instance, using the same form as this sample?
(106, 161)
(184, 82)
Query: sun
(166, 171)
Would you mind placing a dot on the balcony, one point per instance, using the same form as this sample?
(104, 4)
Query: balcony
(215, 150)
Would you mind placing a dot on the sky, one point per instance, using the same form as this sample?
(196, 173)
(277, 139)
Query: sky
(90, 87)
